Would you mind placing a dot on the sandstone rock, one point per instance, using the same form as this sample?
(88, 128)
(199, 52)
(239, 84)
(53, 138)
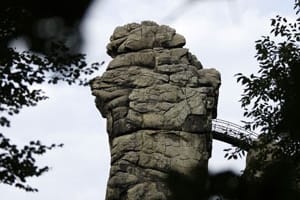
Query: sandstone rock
(177, 41)
(210, 77)
(159, 102)
(147, 35)
(145, 59)
(170, 69)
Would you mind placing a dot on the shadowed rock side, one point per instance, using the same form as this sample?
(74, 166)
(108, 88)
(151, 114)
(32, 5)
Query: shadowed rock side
(159, 102)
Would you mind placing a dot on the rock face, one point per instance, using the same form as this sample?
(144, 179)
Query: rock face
(158, 101)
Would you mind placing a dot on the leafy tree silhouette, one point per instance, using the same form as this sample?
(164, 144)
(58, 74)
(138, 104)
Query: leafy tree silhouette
(51, 31)
(271, 97)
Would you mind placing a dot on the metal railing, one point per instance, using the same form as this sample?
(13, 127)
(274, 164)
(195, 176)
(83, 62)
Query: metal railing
(233, 134)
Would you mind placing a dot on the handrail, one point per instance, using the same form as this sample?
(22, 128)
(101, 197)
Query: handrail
(232, 133)
(229, 126)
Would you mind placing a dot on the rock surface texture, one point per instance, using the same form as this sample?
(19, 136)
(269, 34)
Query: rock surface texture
(158, 101)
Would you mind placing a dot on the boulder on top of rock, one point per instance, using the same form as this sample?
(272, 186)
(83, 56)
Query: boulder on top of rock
(147, 35)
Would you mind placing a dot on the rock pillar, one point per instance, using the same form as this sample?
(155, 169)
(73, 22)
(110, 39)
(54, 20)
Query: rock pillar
(158, 101)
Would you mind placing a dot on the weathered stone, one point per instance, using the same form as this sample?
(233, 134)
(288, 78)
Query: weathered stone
(170, 69)
(210, 77)
(164, 34)
(133, 77)
(144, 59)
(122, 126)
(179, 52)
(184, 77)
(194, 61)
(122, 31)
(151, 145)
(135, 117)
(106, 95)
(153, 120)
(143, 107)
(140, 38)
(146, 79)
(147, 35)
(145, 191)
(157, 93)
(177, 41)
(119, 113)
(175, 117)
(196, 102)
(166, 59)
(117, 102)
(159, 102)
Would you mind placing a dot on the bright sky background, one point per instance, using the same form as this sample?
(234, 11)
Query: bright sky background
(221, 33)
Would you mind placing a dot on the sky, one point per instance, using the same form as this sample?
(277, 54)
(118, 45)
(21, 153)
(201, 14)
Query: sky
(221, 33)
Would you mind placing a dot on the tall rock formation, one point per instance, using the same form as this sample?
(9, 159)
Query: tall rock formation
(158, 101)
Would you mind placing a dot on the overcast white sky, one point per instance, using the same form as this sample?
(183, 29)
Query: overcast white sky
(221, 33)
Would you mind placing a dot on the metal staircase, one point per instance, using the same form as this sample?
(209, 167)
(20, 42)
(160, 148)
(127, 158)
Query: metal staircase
(233, 134)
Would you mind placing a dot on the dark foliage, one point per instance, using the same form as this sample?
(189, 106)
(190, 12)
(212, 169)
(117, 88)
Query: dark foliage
(227, 185)
(51, 32)
(271, 102)
(273, 94)
(42, 22)
(19, 71)
(276, 183)
(187, 187)
(18, 164)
